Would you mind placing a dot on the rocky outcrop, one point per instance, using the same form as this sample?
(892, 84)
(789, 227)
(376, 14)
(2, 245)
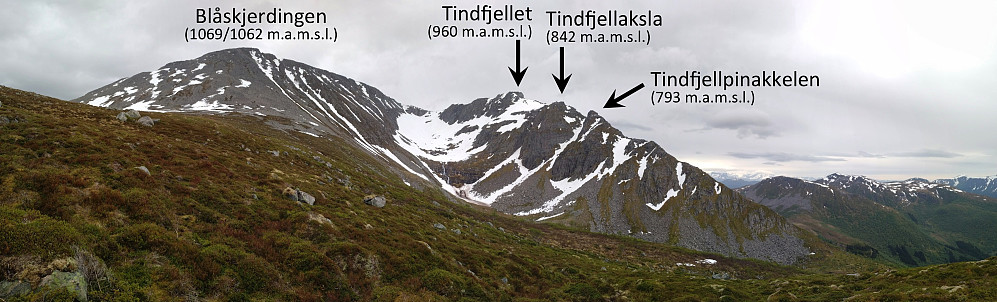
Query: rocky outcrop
(306, 198)
(146, 121)
(14, 288)
(73, 282)
(375, 201)
(299, 196)
(144, 170)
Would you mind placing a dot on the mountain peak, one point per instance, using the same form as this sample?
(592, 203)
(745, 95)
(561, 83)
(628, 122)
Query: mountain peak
(493, 107)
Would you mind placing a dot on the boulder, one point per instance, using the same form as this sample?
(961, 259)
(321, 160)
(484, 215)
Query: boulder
(144, 169)
(305, 197)
(439, 226)
(14, 288)
(375, 200)
(146, 121)
(74, 282)
(132, 114)
(291, 193)
(320, 219)
(122, 117)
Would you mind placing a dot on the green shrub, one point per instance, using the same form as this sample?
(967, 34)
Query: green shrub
(45, 237)
(443, 282)
(583, 292)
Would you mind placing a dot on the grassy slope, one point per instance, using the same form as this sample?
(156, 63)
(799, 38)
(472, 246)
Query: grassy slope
(194, 228)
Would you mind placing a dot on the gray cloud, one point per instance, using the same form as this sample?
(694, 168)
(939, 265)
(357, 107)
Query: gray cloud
(929, 153)
(869, 155)
(783, 157)
(745, 124)
(627, 125)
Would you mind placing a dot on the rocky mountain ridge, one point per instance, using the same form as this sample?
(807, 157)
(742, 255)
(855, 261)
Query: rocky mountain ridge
(520, 156)
(986, 186)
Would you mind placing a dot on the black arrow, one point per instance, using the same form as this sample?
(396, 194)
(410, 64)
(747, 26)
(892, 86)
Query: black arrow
(614, 102)
(562, 81)
(518, 74)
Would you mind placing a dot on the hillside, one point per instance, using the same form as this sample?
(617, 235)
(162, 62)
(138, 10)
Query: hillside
(210, 221)
(909, 223)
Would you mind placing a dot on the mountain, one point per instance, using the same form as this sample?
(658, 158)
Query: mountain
(737, 180)
(912, 222)
(523, 157)
(986, 186)
(196, 207)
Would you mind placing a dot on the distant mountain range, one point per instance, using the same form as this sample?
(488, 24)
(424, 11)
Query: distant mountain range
(986, 186)
(544, 161)
(912, 222)
(737, 180)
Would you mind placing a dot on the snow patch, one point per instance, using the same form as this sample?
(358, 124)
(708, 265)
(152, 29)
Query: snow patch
(100, 101)
(204, 105)
(144, 106)
(549, 217)
(671, 193)
(681, 176)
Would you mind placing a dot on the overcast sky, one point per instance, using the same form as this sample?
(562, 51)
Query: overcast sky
(907, 89)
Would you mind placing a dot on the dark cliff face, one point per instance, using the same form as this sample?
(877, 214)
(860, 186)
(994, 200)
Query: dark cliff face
(520, 156)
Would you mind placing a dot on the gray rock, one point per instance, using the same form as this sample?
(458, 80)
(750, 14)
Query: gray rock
(439, 226)
(14, 288)
(274, 152)
(144, 169)
(345, 182)
(122, 117)
(505, 280)
(721, 276)
(456, 231)
(146, 121)
(377, 201)
(74, 282)
(305, 197)
(291, 193)
(132, 114)
(1, 104)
